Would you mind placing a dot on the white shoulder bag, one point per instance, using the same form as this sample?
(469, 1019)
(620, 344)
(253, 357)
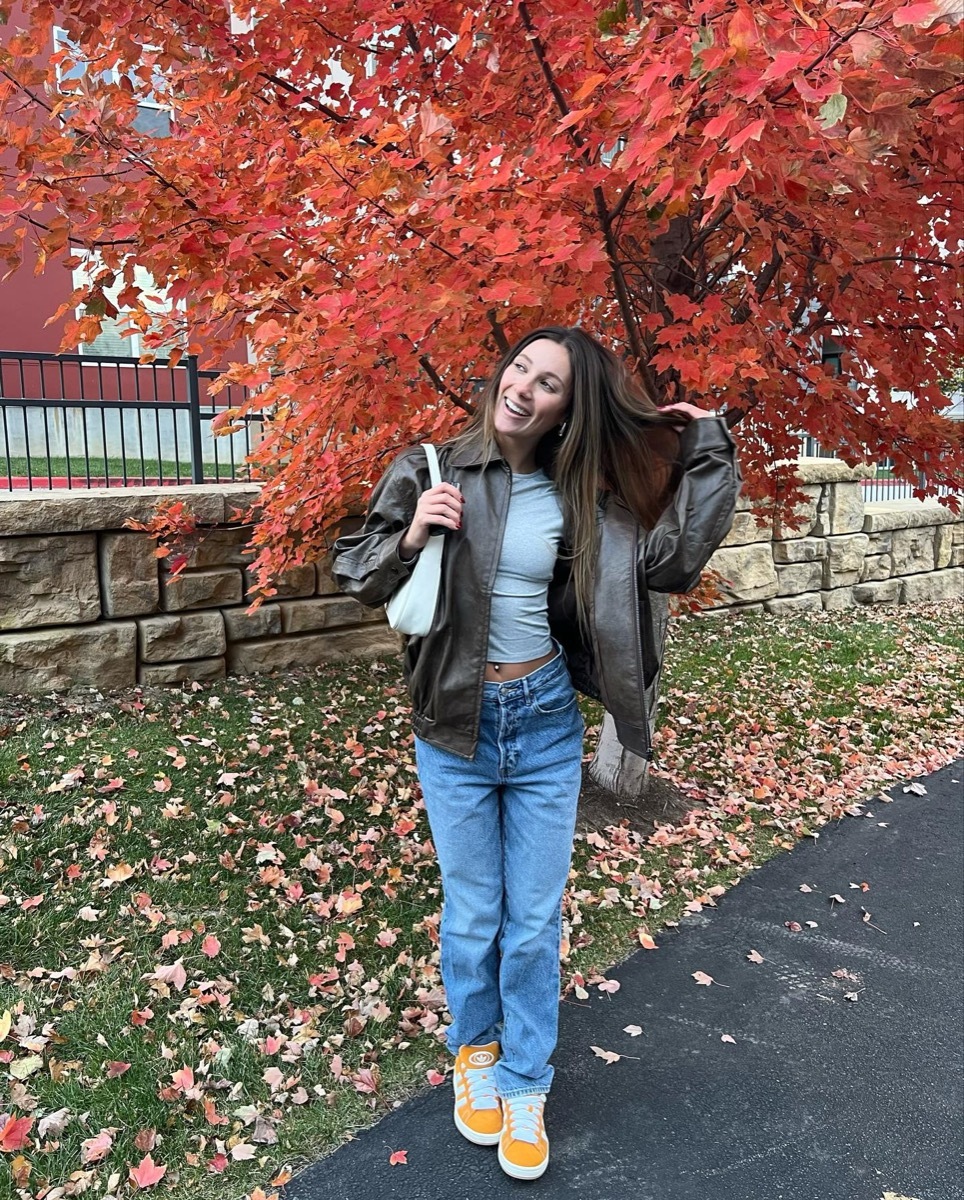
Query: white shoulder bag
(412, 608)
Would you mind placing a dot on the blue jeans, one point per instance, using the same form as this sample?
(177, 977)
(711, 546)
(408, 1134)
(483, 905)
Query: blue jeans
(503, 824)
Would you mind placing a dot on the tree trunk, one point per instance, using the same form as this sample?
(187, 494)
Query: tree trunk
(613, 766)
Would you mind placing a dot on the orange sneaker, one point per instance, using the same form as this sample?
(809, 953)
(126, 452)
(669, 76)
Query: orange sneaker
(478, 1112)
(523, 1146)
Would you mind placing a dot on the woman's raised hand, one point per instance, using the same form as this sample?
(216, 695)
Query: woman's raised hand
(439, 506)
(690, 409)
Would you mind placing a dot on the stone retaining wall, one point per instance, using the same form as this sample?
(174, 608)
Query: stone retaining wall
(84, 601)
(843, 552)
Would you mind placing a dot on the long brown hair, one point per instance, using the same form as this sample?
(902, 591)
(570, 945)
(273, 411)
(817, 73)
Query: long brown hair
(616, 440)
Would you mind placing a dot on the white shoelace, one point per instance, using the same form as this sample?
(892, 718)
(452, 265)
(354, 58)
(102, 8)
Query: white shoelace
(524, 1114)
(480, 1085)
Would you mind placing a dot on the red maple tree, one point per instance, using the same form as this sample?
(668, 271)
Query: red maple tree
(379, 197)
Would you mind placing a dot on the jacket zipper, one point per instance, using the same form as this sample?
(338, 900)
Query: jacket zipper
(649, 756)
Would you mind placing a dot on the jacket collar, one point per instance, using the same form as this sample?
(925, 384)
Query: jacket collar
(472, 453)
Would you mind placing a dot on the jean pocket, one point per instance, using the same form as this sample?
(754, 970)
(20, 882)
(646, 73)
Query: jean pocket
(555, 696)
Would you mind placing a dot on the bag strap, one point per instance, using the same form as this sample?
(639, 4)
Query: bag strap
(434, 474)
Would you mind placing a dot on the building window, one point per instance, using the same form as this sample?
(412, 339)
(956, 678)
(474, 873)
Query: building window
(153, 113)
(114, 338)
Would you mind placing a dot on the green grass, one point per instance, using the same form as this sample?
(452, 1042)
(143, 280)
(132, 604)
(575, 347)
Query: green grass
(281, 815)
(136, 468)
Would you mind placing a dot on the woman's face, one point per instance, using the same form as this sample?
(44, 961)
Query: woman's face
(534, 392)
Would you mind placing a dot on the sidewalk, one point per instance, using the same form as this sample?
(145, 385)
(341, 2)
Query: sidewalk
(820, 1098)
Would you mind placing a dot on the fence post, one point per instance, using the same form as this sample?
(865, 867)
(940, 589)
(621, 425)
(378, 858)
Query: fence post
(194, 418)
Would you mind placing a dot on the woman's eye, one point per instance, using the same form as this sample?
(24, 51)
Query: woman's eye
(548, 386)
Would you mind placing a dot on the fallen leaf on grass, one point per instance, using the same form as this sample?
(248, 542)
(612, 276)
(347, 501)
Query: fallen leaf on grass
(434, 1077)
(20, 1169)
(94, 1149)
(116, 1069)
(147, 1172)
(645, 940)
(24, 1067)
(14, 1135)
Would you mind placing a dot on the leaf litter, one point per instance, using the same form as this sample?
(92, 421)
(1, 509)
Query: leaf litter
(221, 907)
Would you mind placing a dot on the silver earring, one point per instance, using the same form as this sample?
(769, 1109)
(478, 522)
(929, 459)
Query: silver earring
(562, 429)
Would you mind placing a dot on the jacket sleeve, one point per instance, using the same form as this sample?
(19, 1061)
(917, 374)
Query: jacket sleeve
(699, 516)
(366, 564)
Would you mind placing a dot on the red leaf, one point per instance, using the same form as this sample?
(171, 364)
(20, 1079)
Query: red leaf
(116, 1069)
(13, 1135)
(917, 14)
(398, 1158)
(147, 1172)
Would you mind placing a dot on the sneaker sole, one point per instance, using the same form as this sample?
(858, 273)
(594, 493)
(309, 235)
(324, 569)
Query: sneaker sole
(478, 1139)
(517, 1172)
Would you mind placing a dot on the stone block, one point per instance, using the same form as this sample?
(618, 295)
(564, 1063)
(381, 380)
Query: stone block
(882, 591)
(805, 549)
(730, 610)
(841, 510)
(305, 616)
(833, 470)
(748, 572)
(299, 581)
(935, 585)
(201, 589)
(805, 515)
(222, 548)
(794, 578)
(48, 581)
(129, 581)
(838, 598)
(172, 638)
(805, 602)
(311, 650)
(746, 528)
(943, 546)
(241, 625)
(326, 586)
(83, 510)
(957, 556)
(845, 559)
(876, 567)
(914, 549)
(43, 660)
(905, 514)
(177, 672)
(880, 542)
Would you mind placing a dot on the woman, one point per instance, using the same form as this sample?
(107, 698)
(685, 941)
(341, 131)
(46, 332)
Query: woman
(567, 498)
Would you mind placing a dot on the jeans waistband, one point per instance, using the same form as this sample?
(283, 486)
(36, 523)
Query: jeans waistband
(523, 687)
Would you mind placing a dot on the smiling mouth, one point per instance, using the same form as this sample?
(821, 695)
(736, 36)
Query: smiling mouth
(514, 408)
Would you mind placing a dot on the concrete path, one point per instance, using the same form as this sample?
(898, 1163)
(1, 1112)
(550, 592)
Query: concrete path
(822, 1096)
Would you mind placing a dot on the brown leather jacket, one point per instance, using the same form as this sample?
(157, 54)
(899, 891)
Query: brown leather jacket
(619, 660)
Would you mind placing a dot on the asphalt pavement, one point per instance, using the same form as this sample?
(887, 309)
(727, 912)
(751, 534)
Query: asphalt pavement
(844, 1077)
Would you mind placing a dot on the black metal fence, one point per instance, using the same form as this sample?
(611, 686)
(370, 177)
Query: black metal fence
(77, 420)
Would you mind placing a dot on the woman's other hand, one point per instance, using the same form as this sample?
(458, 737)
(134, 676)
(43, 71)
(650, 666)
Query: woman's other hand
(438, 507)
(690, 409)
